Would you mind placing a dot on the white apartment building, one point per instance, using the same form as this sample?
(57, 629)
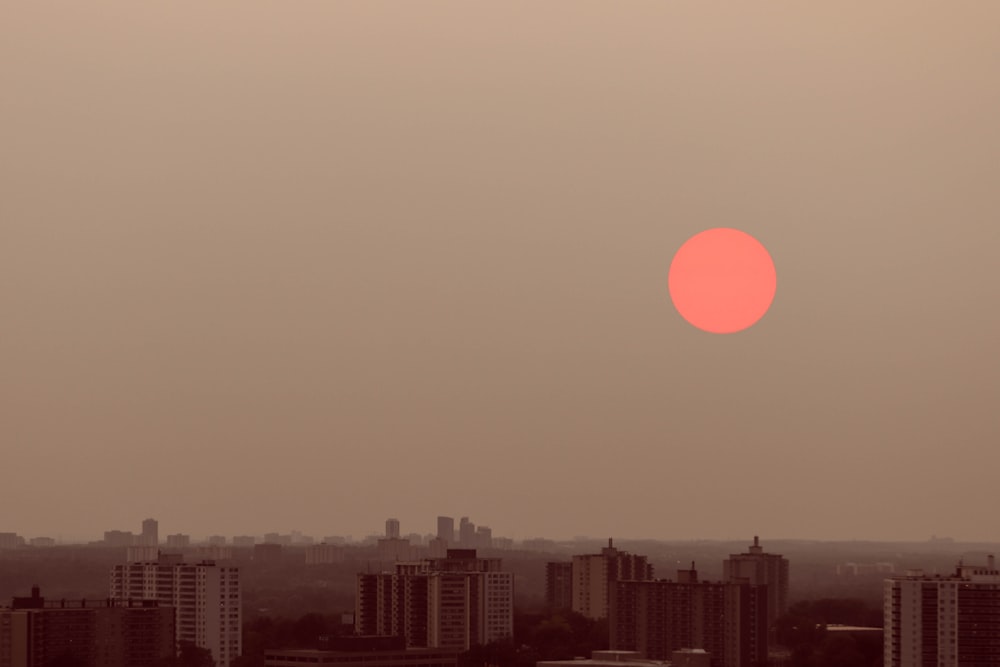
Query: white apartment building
(945, 621)
(206, 597)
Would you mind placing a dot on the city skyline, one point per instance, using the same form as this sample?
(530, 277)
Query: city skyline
(265, 268)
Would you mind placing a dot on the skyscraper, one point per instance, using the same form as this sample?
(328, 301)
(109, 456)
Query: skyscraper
(761, 569)
(466, 533)
(150, 533)
(446, 529)
(206, 598)
(392, 529)
(948, 621)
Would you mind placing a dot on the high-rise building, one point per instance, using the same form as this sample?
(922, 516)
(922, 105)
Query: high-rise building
(761, 569)
(206, 597)
(484, 537)
(944, 621)
(454, 602)
(392, 529)
(659, 617)
(35, 632)
(559, 585)
(594, 574)
(150, 533)
(466, 533)
(446, 529)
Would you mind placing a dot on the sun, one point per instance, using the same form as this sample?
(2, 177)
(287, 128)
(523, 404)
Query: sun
(722, 280)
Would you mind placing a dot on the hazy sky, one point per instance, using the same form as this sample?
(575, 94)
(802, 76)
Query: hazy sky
(307, 265)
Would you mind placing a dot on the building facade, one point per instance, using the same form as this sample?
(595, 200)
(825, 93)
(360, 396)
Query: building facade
(660, 617)
(446, 529)
(454, 602)
(593, 577)
(35, 632)
(559, 585)
(206, 597)
(761, 569)
(150, 533)
(944, 621)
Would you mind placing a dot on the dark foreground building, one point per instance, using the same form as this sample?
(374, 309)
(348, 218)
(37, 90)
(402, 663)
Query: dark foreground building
(659, 617)
(35, 632)
(363, 651)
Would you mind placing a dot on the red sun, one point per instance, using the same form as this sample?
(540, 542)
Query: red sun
(722, 280)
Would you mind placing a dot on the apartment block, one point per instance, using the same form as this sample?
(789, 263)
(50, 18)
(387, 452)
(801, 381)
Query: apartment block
(206, 597)
(943, 621)
(454, 602)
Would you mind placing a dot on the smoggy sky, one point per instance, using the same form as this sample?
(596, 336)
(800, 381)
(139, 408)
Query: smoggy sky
(307, 265)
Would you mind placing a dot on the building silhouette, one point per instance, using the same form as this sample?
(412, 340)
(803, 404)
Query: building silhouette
(559, 584)
(466, 533)
(360, 651)
(945, 621)
(35, 632)
(593, 576)
(150, 533)
(446, 529)
(206, 597)
(761, 569)
(660, 617)
(392, 528)
(454, 602)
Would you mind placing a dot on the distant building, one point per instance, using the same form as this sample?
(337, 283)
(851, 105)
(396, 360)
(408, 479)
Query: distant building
(42, 542)
(392, 528)
(594, 574)
(393, 549)
(538, 544)
(206, 596)
(150, 533)
(659, 617)
(267, 552)
(865, 569)
(466, 533)
(218, 552)
(35, 632)
(178, 541)
(454, 602)
(761, 569)
(119, 538)
(217, 540)
(946, 621)
(559, 585)
(446, 529)
(318, 554)
(139, 554)
(437, 548)
(503, 543)
(484, 537)
(11, 541)
(244, 541)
